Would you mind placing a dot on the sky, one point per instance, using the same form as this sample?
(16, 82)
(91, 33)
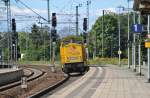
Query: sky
(61, 7)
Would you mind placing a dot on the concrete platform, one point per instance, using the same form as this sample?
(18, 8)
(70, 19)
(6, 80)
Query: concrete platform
(10, 75)
(7, 70)
(106, 82)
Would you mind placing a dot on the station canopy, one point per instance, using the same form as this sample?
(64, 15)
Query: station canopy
(142, 5)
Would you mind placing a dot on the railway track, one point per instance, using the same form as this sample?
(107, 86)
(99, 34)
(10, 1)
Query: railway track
(39, 79)
(50, 88)
(33, 75)
(69, 79)
(81, 87)
(5, 96)
(36, 74)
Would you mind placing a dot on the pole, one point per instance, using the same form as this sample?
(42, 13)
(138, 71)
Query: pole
(128, 36)
(27, 39)
(2, 57)
(48, 9)
(132, 55)
(148, 50)
(53, 51)
(77, 20)
(10, 35)
(53, 60)
(139, 46)
(43, 40)
(44, 48)
(134, 48)
(50, 47)
(8, 30)
(103, 34)
(16, 50)
(94, 53)
(96, 44)
(111, 45)
(7, 3)
(88, 15)
(87, 38)
(119, 51)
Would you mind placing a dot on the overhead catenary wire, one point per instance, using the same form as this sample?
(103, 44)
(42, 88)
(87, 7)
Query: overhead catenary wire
(31, 10)
(61, 10)
(21, 18)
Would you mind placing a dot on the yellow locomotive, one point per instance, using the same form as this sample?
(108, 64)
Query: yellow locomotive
(73, 56)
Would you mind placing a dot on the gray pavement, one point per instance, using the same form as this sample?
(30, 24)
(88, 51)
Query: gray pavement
(122, 83)
(106, 82)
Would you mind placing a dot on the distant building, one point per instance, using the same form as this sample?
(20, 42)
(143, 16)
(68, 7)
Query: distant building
(142, 5)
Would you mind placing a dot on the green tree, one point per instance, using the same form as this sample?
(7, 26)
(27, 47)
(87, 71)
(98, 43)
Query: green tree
(35, 44)
(110, 35)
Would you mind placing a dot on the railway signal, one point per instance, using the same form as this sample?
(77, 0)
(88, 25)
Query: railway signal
(54, 20)
(85, 24)
(15, 48)
(53, 39)
(14, 33)
(13, 37)
(54, 24)
(85, 35)
(85, 30)
(13, 25)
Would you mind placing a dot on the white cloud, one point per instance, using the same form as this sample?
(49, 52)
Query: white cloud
(43, 12)
(18, 11)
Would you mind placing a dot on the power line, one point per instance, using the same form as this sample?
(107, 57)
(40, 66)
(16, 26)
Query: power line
(31, 9)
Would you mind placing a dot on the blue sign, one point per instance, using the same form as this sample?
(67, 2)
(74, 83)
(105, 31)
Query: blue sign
(137, 28)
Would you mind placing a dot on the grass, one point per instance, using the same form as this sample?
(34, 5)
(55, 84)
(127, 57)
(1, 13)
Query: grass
(96, 61)
(46, 63)
(104, 61)
(34, 62)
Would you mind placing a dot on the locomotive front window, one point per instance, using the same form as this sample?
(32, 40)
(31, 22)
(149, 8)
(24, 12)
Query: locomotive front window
(71, 41)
